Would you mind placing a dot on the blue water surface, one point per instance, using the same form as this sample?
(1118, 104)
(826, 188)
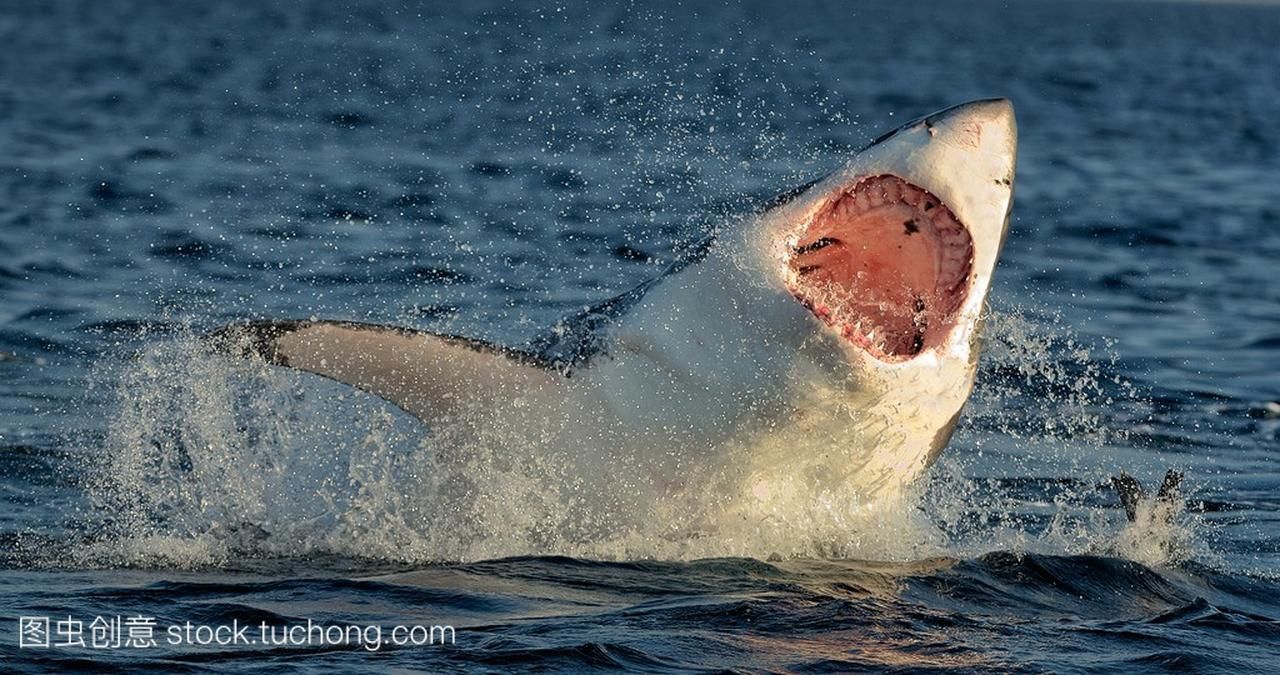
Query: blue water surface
(486, 168)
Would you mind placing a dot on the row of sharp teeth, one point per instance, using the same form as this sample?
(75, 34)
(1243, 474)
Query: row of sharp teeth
(873, 336)
(852, 330)
(954, 242)
(953, 256)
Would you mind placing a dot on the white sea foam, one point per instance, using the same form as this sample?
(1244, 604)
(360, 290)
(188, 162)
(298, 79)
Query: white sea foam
(208, 459)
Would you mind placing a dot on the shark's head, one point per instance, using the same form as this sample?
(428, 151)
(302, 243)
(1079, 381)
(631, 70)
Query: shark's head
(876, 278)
(894, 253)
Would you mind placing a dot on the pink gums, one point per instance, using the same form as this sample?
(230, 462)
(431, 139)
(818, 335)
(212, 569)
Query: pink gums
(887, 264)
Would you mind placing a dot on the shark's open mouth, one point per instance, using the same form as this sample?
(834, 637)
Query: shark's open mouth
(887, 264)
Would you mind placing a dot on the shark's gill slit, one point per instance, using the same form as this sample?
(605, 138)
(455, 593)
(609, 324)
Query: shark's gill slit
(887, 264)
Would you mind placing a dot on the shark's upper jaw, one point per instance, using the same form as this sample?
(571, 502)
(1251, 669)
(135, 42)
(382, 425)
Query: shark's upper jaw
(887, 264)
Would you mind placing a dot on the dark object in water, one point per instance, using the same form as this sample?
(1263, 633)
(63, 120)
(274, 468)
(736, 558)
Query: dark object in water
(1131, 492)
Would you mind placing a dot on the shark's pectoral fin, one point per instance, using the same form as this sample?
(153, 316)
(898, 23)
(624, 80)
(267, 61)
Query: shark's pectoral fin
(427, 375)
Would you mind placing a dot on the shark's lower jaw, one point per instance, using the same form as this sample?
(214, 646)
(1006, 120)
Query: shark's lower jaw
(885, 263)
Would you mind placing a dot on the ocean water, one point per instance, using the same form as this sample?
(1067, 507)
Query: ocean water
(487, 168)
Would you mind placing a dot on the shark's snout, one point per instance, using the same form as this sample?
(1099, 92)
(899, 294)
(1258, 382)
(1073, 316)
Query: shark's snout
(973, 153)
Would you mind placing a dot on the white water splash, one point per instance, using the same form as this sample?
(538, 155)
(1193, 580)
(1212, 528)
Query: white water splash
(209, 459)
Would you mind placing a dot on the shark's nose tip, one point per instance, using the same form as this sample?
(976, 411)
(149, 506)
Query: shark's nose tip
(996, 112)
(987, 126)
(997, 108)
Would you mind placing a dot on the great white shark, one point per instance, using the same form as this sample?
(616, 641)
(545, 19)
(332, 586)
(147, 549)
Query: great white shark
(825, 343)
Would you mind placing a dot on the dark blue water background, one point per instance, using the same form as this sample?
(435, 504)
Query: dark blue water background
(484, 169)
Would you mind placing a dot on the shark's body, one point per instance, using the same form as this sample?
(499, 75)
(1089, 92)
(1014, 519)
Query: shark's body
(826, 343)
